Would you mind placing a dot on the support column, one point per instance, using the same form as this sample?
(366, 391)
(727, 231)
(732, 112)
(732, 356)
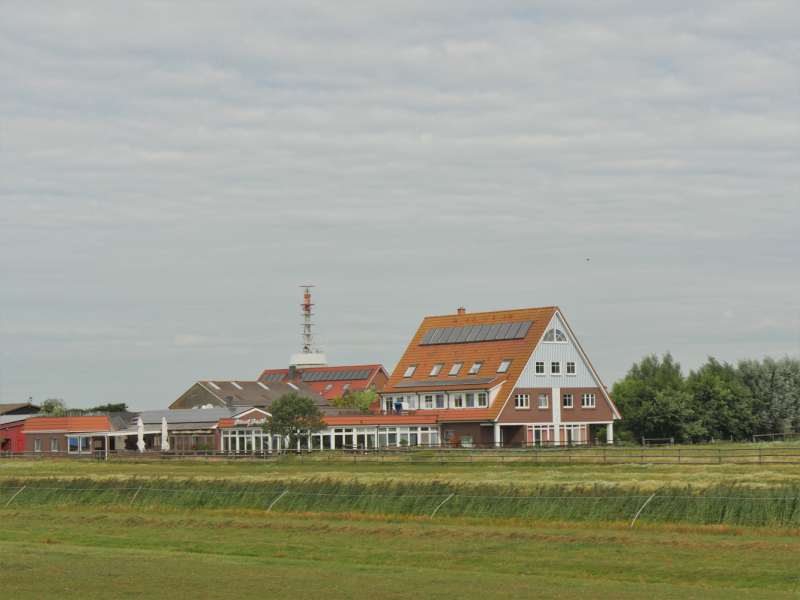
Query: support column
(555, 408)
(610, 433)
(496, 435)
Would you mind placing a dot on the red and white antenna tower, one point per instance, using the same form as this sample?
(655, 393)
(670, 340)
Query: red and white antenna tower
(308, 337)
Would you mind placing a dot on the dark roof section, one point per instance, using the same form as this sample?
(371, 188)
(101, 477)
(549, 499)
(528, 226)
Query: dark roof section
(196, 416)
(353, 374)
(273, 377)
(244, 393)
(476, 333)
(444, 382)
(20, 408)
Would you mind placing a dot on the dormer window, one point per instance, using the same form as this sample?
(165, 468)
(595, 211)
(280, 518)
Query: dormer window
(555, 336)
(504, 366)
(410, 371)
(475, 368)
(456, 368)
(436, 369)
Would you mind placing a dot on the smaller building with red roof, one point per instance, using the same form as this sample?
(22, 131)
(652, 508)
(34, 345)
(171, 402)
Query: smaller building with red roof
(331, 382)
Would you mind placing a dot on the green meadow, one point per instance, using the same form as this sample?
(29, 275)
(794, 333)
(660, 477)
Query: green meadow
(203, 530)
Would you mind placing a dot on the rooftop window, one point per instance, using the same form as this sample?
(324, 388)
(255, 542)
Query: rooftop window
(293, 386)
(346, 386)
(436, 369)
(475, 368)
(410, 371)
(328, 387)
(504, 366)
(456, 368)
(555, 335)
(236, 385)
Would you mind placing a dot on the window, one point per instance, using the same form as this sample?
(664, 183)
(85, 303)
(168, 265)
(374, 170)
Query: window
(53, 444)
(458, 401)
(435, 370)
(456, 368)
(470, 400)
(539, 368)
(587, 400)
(543, 401)
(555, 368)
(37, 444)
(412, 402)
(570, 368)
(328, 387)
(410, 371)
(448, 433)
(555, 335)
(346, 386)
(482, 399)
(504, 366)
(428, 401)
(567, 400)
(522, 401)
(439, 400)
(475, 368)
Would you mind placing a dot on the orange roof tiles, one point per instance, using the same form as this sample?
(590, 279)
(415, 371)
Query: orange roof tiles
(337, 386)
(67, 424)
(492, 353)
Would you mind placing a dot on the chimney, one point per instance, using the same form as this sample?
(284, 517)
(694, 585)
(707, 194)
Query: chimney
(462, 310)
(228, 401)
(292, 372)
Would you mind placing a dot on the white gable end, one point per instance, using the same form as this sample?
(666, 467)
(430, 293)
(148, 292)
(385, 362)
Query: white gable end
(561, 352)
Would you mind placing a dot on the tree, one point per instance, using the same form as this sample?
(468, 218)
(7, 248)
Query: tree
(724, 403)
(654, 403)
(119, 407)
(357, 399)
(294, 417)
(775, 385)
(54, 405)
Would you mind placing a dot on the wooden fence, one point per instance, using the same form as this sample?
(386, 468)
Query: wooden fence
(441, 456)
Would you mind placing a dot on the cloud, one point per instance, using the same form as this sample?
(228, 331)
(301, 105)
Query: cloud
(170, 168)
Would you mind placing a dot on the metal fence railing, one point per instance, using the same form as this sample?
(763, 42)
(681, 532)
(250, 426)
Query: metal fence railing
(443, 455)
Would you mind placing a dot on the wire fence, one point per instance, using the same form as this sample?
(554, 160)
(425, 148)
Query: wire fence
(517, 456)
(778, 507)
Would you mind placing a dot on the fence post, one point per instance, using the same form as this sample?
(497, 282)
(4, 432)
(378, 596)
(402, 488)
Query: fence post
(720, 456)
(759, 455)
(679, 455)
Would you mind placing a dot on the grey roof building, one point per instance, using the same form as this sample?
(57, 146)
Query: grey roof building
(237, 394)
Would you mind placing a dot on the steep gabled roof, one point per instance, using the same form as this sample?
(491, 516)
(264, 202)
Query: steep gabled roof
(491, 353)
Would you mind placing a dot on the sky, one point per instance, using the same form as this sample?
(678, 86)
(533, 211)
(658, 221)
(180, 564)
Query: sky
(172, 172)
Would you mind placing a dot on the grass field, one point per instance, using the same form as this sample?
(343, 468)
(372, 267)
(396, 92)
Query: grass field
(50, 548)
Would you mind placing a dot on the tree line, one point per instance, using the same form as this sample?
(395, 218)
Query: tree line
(718, 400)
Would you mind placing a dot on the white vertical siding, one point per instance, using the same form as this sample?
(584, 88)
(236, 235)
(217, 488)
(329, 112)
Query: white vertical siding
(557, 352)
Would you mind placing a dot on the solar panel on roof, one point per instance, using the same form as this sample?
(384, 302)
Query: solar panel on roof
(451, 339)
(437, 333)
(513, 331)
(493, 331)
(427, 337)
(445, 335)
(476, 329)
(523, 331)
(501, 335)
(465, 331)
(483, 333)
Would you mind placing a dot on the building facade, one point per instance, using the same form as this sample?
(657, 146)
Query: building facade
(504, 378)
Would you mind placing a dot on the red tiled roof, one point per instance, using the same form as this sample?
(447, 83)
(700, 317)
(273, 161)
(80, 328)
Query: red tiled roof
(337, 386)
(67, 424)
(491, 353)
(419, 418)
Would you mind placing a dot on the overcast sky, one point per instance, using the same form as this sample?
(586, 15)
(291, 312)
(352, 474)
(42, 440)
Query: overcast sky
(171, 172)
